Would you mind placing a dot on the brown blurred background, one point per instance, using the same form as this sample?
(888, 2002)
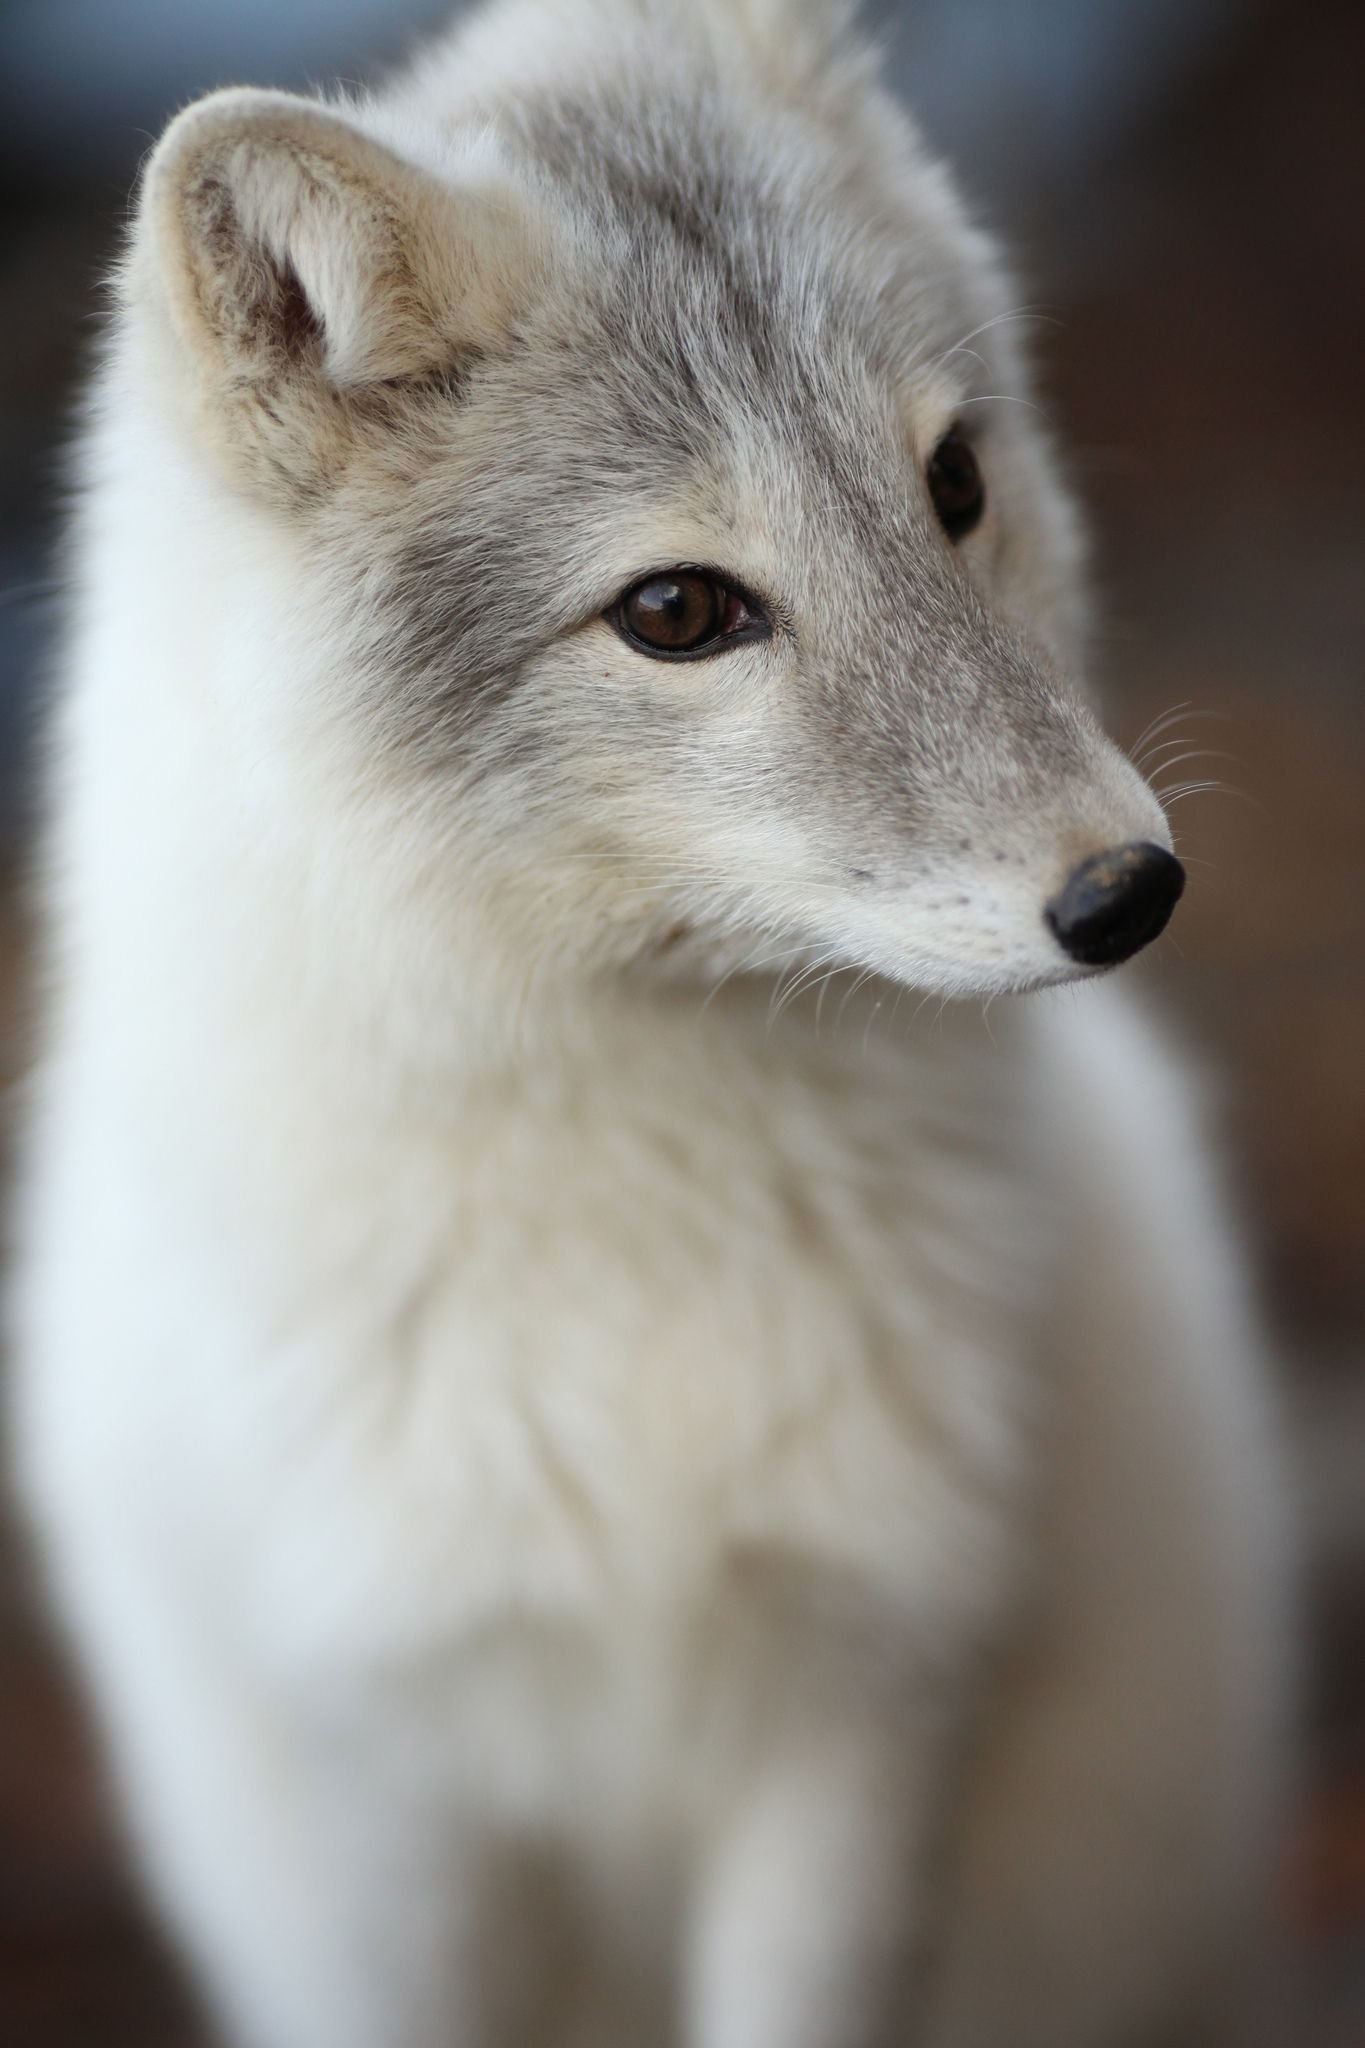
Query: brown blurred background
(1183, 182)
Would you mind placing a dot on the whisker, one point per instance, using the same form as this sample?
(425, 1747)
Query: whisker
(1194, 754)
(824, 990)
(1006, 398)
(842, 967)
(1165, 726)
(864, 976)
(998, 320)
(1169, 797)
(1141, 750)
(803, 978)
(1164, 746)
(751, 963)
(1159, 724)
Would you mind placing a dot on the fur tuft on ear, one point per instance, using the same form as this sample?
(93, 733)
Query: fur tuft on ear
(300, 262)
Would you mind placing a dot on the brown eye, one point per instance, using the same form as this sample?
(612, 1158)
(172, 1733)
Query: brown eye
(955, 484)
(684, 612)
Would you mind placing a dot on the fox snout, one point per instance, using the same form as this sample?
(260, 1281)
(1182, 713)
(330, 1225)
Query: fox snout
(1115, 903)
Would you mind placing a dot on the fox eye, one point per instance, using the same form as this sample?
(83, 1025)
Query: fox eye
(681, 613)
(955, 484)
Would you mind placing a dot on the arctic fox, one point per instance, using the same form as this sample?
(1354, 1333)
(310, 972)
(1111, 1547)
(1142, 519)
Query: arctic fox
(612, 1479)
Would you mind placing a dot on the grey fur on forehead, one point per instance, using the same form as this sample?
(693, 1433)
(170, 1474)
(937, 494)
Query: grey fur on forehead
(761, 216)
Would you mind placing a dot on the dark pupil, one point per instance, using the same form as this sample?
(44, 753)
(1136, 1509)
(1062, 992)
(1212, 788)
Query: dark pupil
(955, 485)
(672, 611)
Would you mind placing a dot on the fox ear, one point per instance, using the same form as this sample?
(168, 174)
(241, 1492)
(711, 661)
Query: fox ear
(301, 264)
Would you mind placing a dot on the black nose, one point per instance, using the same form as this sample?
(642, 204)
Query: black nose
(1116, 903)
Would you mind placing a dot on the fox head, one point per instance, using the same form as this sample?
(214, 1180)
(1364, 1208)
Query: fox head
(618, 437)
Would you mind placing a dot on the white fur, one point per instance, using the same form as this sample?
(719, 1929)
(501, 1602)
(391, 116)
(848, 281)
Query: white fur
(645, 1518)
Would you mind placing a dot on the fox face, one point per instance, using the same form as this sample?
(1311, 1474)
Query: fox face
(679, 579)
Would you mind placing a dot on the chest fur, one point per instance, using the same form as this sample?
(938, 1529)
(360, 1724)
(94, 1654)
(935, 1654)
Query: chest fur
(597, 1344)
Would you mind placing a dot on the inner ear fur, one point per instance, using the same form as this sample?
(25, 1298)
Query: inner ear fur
(299, 263)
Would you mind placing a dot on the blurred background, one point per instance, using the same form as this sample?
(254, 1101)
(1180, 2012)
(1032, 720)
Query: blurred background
(1183, 185)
